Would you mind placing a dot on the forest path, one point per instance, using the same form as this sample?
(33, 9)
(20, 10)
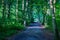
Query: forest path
(33, 32)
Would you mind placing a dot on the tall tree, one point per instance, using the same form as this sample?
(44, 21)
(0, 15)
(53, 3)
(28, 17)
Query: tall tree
(16, 10)
(3, 9)
(8, 8)
(23, 10)
(52, 6)
(39, 7)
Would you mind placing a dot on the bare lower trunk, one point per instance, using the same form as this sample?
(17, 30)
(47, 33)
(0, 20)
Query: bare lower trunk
(39, 13)
(54, 19)
(9, 11)
(23, 9)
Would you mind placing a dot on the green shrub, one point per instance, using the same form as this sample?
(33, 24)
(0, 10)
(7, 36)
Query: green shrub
(50, 27)
(9, 28)
(58, 22)
(49, 22)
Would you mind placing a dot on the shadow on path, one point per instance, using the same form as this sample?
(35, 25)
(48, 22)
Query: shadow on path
(32, 34)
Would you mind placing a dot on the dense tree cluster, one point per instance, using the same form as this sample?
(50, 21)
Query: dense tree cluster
(16, 14)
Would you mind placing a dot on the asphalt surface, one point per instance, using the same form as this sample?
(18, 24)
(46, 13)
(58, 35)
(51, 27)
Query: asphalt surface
(32, 34)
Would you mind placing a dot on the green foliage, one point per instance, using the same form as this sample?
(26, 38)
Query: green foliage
(8, 23)
(49, 23)
(7, 29)
(58, 22)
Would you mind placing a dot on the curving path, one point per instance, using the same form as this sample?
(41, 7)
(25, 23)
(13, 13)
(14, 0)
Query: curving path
(34, 33)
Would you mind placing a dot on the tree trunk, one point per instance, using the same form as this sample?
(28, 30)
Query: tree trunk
(27, 7)
(9, 10)
(54, 19)
(38, 13)
(17, 10)
(3, 17)
(23, 10)
(43, 19)
(45, 23)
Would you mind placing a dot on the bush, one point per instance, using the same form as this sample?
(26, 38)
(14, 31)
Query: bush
(49, 22)
(9, 28)
(58, 22)
(50, 27)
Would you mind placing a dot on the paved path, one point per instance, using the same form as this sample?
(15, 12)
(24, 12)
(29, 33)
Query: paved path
(32, 34)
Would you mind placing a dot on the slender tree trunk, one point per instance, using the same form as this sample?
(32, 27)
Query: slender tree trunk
(27, 8)
(43, 19)
(43, 15)
(17, 10)
(23, 8)
(6, 8)
(32, 19)
(31, 10)
(27, 12)
(3, 17)
(52, 6)
(9, 10)
(38, 13)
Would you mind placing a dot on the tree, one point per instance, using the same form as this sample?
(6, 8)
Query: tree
(52, 6)
(17, 10)
(3, 9)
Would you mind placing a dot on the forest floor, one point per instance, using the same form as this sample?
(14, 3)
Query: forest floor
(34, 31)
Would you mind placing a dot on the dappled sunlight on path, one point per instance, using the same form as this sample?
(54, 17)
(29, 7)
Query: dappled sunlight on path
(37, 27)
(32, 33)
